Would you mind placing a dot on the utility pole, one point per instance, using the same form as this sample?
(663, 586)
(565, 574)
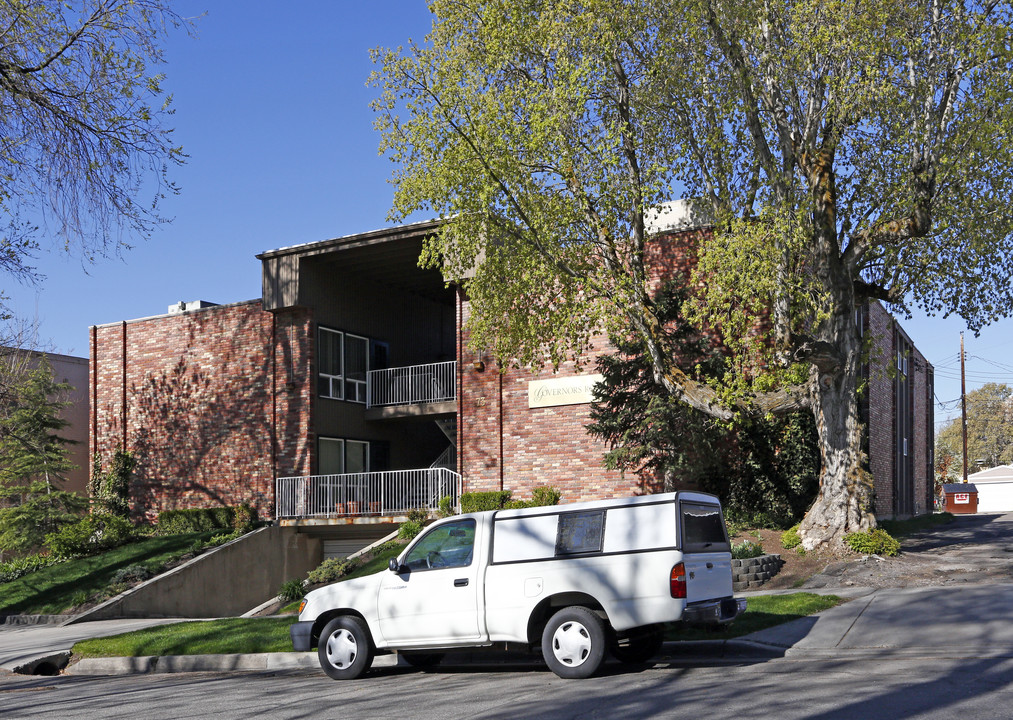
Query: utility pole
(963, 405)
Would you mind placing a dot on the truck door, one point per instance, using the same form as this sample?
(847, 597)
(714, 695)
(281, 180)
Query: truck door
(706, 552)
(433, 598)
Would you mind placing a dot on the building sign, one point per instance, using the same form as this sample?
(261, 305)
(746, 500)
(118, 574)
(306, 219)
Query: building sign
(576, 390)
(962, 498)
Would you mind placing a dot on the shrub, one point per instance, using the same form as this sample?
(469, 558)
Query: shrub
(418, 515)
(873, 542)
(242, 518)
(330, 570)
(15, 568)
(191, 520)
(790, 538)
(409, 529)
(291, 590)
(131, 574)
(482, 501)
(747, 549)
(91, 534)
(515, 504)
(544, 495)
(446, 506)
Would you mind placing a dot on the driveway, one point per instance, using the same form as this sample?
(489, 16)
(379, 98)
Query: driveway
(972, 550)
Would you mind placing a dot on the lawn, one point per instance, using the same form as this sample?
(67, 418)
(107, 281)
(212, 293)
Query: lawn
(56, 588)
(762, 612)
(248, 635)
(199, 637)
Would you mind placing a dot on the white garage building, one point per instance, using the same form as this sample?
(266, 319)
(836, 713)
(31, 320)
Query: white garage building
(995, 489)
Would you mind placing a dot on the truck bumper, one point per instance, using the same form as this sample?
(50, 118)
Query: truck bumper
(302, 636)
(714, 612)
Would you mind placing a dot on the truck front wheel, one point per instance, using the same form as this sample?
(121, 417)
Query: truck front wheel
(345, 650)
(573, 642)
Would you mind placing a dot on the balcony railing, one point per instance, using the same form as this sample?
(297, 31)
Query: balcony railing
(433, 383)
(362, 494)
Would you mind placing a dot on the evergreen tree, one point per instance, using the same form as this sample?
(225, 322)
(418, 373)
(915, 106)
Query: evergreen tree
(34, 462)
(765, 470)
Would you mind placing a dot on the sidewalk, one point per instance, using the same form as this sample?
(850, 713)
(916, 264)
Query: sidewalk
(952, 621)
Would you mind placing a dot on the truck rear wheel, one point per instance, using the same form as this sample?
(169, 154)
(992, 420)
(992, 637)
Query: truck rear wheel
(345, 649)
(573, 642)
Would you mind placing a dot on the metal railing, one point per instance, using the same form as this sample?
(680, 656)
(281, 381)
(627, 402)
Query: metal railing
(436, 382)
(447, 459)
(394, 492)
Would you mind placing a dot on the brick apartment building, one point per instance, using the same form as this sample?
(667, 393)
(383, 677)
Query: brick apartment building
(348, 391)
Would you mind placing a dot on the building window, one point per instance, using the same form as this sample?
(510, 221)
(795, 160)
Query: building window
(342, 365)
(330, 350)
(337, 456)
(356, 366)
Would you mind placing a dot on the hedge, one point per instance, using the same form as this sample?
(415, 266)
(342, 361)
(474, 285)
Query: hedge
(180, 522)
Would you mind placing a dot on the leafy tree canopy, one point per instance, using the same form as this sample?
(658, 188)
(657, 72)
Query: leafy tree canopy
(989, 431)
(841, 151)
(86, 148)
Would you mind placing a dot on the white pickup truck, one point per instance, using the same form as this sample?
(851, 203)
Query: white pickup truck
(576, 580)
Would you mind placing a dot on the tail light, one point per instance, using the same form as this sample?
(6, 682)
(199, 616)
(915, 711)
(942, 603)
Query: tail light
(677, 581)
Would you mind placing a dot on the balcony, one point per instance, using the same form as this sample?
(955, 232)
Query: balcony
(413, 390)
(362, 495)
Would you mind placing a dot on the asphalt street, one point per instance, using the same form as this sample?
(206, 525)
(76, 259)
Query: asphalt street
(790, 688)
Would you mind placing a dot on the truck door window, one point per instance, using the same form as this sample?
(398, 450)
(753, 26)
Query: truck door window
(703, 529)
(447, 546)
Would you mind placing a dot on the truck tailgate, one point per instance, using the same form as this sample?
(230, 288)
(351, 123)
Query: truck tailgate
(708, 576)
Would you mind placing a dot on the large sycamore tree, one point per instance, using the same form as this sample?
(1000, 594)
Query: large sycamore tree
(843, 151)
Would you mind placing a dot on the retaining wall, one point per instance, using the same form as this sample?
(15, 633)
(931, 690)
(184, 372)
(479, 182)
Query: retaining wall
(753, 572)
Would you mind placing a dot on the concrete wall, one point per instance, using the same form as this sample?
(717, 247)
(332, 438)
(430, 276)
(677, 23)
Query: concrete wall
(225, 582)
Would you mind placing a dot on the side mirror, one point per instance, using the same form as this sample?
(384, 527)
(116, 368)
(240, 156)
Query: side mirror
(393, 565)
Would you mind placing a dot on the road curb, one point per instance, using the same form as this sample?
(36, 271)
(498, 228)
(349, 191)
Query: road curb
(205, 663)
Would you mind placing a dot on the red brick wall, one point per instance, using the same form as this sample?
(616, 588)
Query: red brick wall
(195, 396)
(881, 329)
(923, 475)
(504, 444)
(880, 402)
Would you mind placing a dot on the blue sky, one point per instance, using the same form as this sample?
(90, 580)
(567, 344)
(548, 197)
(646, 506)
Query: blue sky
(273, 109)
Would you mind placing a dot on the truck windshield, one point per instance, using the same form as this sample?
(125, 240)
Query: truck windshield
(703, 529)
(447, 546)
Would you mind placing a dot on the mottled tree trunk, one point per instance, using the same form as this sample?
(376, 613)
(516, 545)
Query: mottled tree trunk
(844, 502)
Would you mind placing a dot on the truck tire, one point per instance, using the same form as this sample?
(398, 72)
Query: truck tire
(573, 642)
(345, 649)
(638, 646)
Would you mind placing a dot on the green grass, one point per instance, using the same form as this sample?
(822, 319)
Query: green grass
(57, 588)
(376, 563)
(201, 637)
(252, 635)
(762, 612)
(900, 528)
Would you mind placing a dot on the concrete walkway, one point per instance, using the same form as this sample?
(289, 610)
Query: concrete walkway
(22, 646)
(952, 621)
